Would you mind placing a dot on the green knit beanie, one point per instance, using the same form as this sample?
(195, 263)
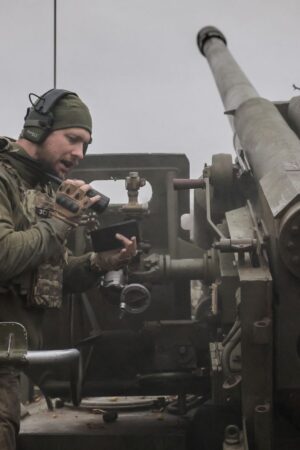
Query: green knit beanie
(71, 112)
(68, 112)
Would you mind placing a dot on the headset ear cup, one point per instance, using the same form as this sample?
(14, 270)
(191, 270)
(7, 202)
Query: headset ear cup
(36, 135)
(37, 126)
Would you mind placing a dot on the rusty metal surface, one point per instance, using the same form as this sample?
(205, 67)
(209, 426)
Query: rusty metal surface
(70, 428)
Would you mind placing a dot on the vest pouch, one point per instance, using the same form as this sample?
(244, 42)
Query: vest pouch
(47, 287)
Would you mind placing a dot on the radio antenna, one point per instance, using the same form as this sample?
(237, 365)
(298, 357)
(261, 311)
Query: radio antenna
(54, 42)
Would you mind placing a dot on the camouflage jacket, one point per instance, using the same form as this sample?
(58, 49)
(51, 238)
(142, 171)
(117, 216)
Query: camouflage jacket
(33, 254)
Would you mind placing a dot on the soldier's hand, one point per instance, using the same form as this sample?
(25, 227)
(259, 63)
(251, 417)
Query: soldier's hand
(115, 259)
(72, 201)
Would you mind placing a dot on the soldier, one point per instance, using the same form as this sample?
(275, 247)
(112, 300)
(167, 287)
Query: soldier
(35, 266)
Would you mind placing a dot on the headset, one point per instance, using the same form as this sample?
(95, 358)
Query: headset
(39, 114)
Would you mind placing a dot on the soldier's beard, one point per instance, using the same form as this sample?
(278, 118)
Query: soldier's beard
(47, 170)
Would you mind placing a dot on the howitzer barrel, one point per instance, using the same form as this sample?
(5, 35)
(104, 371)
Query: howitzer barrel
(271, 147)
(265, 136)
(233, 85)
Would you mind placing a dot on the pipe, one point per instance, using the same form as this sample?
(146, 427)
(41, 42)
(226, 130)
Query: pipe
(52, 356)
(227, 350)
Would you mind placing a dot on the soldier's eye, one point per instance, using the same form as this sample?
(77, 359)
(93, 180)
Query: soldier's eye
(72, 139)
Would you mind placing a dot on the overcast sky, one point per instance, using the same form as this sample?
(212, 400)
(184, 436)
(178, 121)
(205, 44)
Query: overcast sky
(137, 66)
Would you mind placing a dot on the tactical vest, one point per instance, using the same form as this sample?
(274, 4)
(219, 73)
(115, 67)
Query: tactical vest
(41, 288)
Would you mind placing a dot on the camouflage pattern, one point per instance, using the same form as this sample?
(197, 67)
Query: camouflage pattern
(33, 254)
(47, 284)
(45, 287)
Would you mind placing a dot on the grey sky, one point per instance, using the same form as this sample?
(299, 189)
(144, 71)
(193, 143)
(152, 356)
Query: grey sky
(137, 66)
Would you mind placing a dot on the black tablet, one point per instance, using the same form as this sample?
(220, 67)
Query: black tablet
(105, 238)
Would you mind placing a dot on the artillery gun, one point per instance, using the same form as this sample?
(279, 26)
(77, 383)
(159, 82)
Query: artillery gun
(262, 237)
(238, 352)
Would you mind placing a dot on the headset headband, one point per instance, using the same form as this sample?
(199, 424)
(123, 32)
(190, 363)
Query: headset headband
(39, 114)
(45, 103)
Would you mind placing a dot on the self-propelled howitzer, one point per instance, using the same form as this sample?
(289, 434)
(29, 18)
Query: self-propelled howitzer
(267, 174)
(232, 355)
